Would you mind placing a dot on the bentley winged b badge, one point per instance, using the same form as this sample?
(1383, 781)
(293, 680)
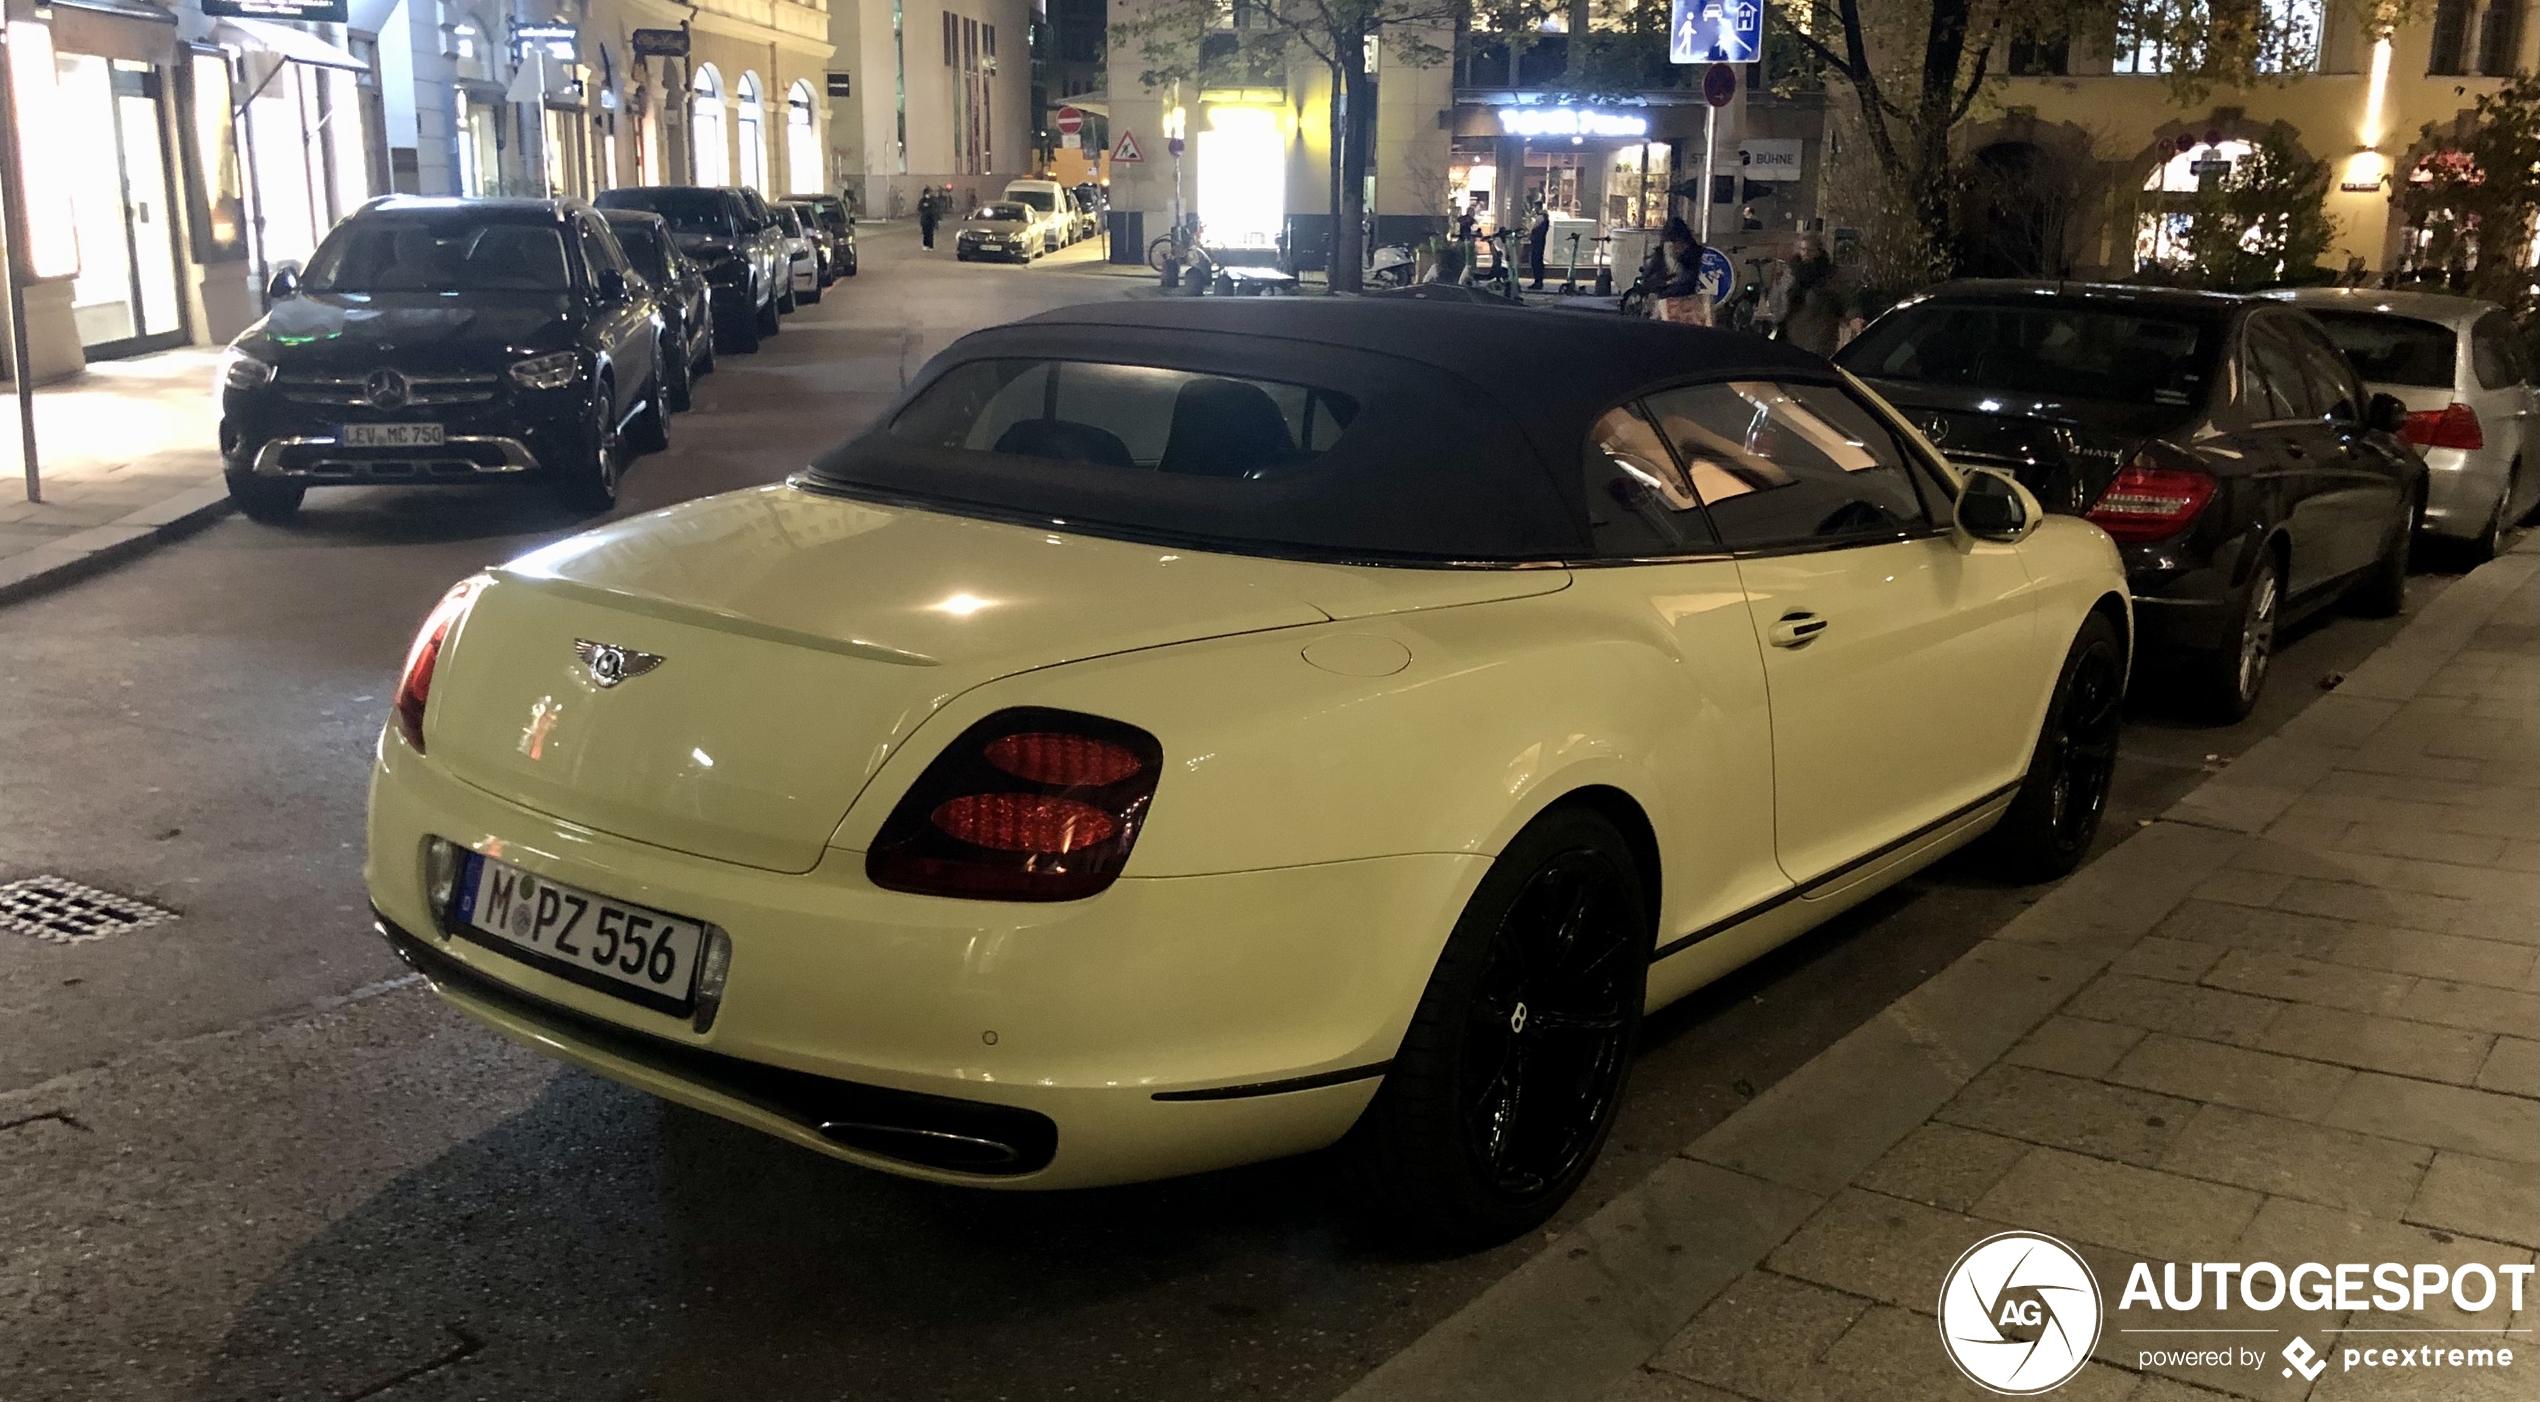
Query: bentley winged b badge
(611, 664)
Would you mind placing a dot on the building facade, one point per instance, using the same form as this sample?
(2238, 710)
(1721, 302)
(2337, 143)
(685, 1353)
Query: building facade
(172, 160)
(936, 94)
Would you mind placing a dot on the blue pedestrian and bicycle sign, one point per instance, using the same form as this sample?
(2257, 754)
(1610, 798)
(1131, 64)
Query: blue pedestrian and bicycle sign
(1716, 31)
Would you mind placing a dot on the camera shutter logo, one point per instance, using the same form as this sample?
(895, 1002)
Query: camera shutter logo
(2019, 1313)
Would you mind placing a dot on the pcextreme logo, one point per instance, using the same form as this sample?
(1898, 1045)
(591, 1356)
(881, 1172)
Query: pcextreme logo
(2019, 1313)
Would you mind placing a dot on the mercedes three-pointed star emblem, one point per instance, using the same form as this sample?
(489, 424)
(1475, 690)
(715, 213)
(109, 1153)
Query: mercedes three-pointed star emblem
(611, 664)
(386, 388)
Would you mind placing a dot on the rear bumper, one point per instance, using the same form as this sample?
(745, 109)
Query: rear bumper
(1166, 1026)
(2461, 490)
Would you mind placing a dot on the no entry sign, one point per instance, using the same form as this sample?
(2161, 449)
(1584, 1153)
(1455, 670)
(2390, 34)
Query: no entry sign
(1070, 121)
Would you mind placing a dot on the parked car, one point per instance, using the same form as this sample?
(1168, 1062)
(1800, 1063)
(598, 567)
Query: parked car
(802, 252)
(742, 255)
(824, 241)
(1088, 214)
(835, 217)
(765, 214)
(2473, 404)
(1355, 763)
(2221, 440)
(1006, 229)
(679, 285)
(447, 341)
(1052, 211)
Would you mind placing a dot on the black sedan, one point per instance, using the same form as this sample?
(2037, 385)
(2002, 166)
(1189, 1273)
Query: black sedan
(448, 341)
(2221, 441)
(687, 305)
(740, 248)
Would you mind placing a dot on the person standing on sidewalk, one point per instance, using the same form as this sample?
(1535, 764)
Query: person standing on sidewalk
(1538, 233)
(930, 210)
(1813, 311)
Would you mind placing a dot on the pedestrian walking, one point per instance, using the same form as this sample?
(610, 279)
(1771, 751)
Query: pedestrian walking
(930, 210)
(1538, 233)
(1813, 313)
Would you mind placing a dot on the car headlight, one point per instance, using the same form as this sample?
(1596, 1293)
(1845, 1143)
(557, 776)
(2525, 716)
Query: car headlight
(239, 370)
(548, 371)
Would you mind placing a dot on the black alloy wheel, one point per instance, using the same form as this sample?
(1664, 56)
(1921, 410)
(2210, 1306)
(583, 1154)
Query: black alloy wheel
(851, 263)
(676, 373)
(2049, 825)
(768, 322)
(587, 482)
(651, 432)
(1508, 1080)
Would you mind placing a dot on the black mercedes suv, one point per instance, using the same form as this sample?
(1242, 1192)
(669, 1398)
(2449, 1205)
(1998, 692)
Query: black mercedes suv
(448, 341)
(729, 235)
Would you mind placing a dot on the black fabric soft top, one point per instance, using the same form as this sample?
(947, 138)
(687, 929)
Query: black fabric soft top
(1465, 448)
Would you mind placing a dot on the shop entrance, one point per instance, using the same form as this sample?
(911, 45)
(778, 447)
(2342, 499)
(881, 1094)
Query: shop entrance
(125, 299)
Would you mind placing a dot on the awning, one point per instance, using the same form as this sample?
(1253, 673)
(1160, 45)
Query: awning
(1098, 103)
(125, 29)
(285, 43)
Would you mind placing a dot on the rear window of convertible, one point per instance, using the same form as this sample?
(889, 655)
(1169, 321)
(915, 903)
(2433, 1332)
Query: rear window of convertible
(1140, 417)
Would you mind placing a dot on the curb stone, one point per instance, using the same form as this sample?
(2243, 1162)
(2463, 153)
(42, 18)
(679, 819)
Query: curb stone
(1576, 1320)
(76, 556)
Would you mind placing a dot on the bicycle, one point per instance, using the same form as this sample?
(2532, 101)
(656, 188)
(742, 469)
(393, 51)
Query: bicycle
(1174, 246)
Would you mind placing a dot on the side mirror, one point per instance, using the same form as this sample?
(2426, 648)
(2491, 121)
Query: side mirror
(1991, 506)
(2387, 412)
(612, 285)
(286, 283)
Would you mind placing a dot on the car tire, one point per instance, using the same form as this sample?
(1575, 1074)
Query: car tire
(704, 363)
(786, 298)
(2490, 542)
(2232, 677)
(768, 322)
(1539, 990)
(651, 433)
(850, 265)
(264, 500)
(2382, 590)
(677, 377)
(743, 338)
(813, 296)
(2048, 828)
(586, 483)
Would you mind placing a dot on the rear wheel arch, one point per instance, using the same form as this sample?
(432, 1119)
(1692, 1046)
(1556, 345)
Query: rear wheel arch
(2114, 608)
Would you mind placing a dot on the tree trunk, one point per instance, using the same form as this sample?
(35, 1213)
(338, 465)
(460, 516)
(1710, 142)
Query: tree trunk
(1354, 102)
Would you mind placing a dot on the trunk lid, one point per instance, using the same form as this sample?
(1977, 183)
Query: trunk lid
(803, 637)
(2065, 451)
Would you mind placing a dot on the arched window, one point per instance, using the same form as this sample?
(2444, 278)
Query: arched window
(802, 140)
(750, 126)
(713, 164)
(468, 51)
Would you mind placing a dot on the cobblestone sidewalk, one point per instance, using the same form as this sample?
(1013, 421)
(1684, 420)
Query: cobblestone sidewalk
(129, 452)
(2292, 1021)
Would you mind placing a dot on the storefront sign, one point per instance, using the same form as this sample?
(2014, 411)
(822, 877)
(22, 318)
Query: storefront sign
(557, 39)
(293, 11)
(1715, 31)
(673, 43)
(1770, 158)
(1570, 121)
(2359, 187)
(2211, 165)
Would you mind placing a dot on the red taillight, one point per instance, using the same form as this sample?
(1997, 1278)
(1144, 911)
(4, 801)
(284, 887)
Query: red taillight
(414, 684)
(2453, 427)
(1027, 805)
(2146, 502)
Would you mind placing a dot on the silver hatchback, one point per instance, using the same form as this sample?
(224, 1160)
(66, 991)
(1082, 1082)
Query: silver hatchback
(2469, 384)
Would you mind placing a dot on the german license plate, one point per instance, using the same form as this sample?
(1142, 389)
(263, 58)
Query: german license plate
(392, 435)
(636, 952)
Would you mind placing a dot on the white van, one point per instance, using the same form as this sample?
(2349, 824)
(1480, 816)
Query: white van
(1051, 211)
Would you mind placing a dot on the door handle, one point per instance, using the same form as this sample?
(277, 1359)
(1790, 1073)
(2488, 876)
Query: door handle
(2292, 449)
(1797, 628)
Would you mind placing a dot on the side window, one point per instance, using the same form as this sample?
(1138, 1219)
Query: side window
(2491, 352)
(2281, 392)
(2334, 389)
(599, 252)
(1789, 465)
(1639, 504)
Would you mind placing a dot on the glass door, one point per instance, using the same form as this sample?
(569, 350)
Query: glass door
(125, 299)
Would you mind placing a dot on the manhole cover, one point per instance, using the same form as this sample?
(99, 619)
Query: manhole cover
(65, 912)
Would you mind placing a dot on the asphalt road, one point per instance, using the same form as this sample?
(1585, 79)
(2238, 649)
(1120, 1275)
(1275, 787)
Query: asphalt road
(242, 1157)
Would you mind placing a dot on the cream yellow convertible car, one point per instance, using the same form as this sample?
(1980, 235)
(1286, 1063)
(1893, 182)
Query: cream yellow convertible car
(1181, 734)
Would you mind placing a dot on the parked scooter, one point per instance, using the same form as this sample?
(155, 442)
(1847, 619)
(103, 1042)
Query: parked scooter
(1392, 266)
